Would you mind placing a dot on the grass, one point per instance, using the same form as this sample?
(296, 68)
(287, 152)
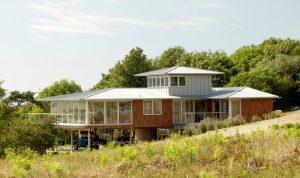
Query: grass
(272, 153)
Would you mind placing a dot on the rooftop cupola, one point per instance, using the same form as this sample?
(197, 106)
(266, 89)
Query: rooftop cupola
(181, 81)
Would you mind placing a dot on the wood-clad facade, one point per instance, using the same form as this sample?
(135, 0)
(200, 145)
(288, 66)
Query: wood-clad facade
(163, 120)
(257, 107)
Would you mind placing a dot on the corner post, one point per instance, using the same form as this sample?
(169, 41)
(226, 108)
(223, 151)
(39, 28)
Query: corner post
(71, 141)
(89, 138)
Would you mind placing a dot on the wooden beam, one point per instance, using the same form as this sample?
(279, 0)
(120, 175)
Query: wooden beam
(71, 141)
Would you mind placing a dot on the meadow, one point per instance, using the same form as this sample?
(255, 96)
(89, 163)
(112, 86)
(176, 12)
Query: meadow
(271, 153)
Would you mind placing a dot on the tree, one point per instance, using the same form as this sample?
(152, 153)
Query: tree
(61, 87)
(2, 90)
(218, 61)
(122, 74)
(171, 57)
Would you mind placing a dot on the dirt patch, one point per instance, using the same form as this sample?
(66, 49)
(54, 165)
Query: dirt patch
(290, 117)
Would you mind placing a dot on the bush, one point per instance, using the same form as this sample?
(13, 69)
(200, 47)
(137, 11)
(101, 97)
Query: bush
(21, 160)
(256, 118)
(236, 120)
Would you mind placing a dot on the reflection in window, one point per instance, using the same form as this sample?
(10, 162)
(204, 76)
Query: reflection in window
(153, 107)
(111, 112)
(174, 81)
(181, 81)
(147, 107)
(125, 112)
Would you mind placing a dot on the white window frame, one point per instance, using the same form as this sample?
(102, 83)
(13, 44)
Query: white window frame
(152, 108)
(178, 85)
(156, 81)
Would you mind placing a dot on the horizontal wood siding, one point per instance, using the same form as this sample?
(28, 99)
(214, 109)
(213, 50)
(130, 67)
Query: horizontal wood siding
(154, 121)
(258, 107)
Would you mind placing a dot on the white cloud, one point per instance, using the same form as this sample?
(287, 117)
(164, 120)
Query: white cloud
(70, 17)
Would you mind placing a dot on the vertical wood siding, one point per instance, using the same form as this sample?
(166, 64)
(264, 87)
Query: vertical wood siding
(159, 121)
(258, 107)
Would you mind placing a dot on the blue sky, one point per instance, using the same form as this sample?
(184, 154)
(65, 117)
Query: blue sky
(42, 41)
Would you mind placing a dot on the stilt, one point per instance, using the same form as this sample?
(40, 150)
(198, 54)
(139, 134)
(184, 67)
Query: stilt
(130, 136)
(89, 138)
(71, 141)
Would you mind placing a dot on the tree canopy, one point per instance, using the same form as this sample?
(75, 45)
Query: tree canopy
(61, 87)
(122, 74)
(271, 66)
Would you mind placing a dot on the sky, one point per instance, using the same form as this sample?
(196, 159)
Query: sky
(43, 41)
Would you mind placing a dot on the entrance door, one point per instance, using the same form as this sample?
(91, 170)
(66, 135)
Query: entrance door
(200, 109)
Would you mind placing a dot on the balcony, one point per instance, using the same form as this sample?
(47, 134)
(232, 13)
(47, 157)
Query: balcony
(181, 119)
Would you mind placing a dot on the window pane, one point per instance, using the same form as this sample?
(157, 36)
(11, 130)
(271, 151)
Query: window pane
(147, 107)
(149, 80)
(54, 108)
(154, 81)
(125, 111)
(111, 112)
(177, 111)
(157, 107)
(82, 112)
(76, 112)
(162, 81)
(181, 81)
(167, 81)
(174, 81)
(158, 81)
(187, 106)
(235, 107)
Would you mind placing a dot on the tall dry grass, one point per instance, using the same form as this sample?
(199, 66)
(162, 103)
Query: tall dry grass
(274, 153)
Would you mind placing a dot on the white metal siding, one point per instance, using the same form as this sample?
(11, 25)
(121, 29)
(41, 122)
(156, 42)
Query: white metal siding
(195, 85)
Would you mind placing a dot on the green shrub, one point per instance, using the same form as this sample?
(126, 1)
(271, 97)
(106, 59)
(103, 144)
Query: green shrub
(237, 120)
(173, 152)
(56, 169)
(128, 153)
(104, 159)
(21, 160)
(256, 118)
(149, 151)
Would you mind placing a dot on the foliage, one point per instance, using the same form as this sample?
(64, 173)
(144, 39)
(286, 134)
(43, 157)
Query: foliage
(122, 74)
(209, 124)
(21, 160)
(273, 153)
(61, 87)
(38, 135)
(2, 90)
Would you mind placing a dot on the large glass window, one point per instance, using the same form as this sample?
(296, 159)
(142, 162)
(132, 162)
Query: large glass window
(111, 112)
(96, 113)
(153, 107)
(125, 112)
(82, 112)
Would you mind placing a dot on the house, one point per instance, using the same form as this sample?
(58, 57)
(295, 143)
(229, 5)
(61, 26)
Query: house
(173, 98)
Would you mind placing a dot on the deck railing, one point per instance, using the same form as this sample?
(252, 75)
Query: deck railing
(62, 119)
(194, 117)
